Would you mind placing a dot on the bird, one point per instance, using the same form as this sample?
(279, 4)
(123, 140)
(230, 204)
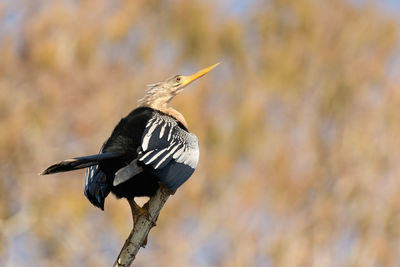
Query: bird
(148, 148)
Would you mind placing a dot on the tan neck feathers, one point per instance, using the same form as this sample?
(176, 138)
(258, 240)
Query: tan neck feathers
(176, 114)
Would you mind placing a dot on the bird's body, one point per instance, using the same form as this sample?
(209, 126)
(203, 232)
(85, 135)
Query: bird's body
(150, 145)
(143, 155)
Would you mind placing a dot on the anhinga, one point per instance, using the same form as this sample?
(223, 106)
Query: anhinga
(150, 145)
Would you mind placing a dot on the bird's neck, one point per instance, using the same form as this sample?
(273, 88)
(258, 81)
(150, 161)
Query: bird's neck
(176, 114)
(161, 104)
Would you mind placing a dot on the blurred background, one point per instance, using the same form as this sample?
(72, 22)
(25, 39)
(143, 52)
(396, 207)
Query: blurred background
(299, 129)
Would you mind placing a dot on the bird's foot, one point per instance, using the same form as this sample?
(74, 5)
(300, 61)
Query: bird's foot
(166, 189)
(137, 211)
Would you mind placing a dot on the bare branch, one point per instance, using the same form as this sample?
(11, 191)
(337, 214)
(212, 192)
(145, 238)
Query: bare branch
(143, 223)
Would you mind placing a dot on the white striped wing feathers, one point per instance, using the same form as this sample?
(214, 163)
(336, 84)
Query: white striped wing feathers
(163, 140)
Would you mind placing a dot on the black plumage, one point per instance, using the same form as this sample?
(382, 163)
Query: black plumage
(145, 148)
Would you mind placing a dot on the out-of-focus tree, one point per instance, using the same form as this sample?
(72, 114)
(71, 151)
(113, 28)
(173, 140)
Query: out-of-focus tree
(299, 130)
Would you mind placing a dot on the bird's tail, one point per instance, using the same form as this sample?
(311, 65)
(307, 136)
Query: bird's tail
(96, 187)
(80, 162)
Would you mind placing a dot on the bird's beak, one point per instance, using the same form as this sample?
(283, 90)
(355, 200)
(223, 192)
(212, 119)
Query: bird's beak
(193, 77)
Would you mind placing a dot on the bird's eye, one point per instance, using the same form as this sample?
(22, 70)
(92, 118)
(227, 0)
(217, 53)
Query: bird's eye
(178, 79)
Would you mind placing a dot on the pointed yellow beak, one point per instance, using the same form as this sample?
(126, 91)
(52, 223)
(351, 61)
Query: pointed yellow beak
(188, 79)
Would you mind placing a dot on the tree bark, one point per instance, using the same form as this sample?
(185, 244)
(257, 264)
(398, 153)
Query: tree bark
(141, 228)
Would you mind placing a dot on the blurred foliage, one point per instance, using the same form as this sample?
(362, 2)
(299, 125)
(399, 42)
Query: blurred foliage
(299, 130)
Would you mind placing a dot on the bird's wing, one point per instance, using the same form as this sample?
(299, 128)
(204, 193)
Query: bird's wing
(169, 149)
(163, 140)
(96, 187)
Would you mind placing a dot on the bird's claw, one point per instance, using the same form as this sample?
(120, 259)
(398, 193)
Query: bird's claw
(138, 211)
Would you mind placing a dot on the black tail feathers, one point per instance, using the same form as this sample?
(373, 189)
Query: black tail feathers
(96, 188)
(79, 163)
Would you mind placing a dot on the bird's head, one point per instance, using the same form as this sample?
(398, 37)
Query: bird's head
(159, 94)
